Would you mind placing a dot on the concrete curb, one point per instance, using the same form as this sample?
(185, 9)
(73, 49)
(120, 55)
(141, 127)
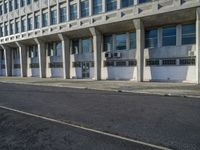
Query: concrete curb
(110, 90)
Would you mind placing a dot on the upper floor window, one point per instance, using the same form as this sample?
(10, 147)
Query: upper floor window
(63, 14)
(126, 3)
(120, 42)
(188, 34)
(132, 40)
(151, 38)
(108, 43)
(23, 25)
(37, 22)
(169, 36)
(111, 5)
(11, 28)
(73, 12)
(84, 8)
(29, 24)
(45, 19)
(97, 6)
(1, 31)
(22, 3)
(75, 46)
(144, 1)
(16, 4)
(1, 10)
(10, 5)
(86, 45)
(6, 30)
(29, 2)
(17, 27)
(53, 17)
(5, 7)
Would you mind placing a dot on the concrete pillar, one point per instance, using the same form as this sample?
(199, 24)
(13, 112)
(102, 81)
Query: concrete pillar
(104, 6)
(198, 45)
(97, 46)
(42, 57)
(118, 4)
(90, 7)
(66, 56)
(139, 48)
(78, 9)
(136, 2)
(23, 59)
(8, 60)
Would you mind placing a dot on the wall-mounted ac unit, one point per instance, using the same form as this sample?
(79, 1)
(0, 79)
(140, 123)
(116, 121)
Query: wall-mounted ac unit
(117, 55)
(108, 55)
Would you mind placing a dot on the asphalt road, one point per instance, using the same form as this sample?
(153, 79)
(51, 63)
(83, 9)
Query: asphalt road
(171, 122)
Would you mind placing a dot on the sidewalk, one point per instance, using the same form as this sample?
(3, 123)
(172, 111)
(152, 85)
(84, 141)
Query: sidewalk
(158, 88)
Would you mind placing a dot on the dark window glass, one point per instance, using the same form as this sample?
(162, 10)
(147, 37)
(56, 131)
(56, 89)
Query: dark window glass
(132, 40)
(108, 43)
(63, 14)
(97, 6)
(189, 34)
(111, 5)
(126, 3)
(169, 36)
(75, 46)
(73, 12)
(151, 38)
(84, 8)
(120, 42)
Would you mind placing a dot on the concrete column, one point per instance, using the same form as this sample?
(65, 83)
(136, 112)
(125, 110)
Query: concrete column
(90, 7)
(136, 2)
(58, 12)
(8, 60)
(97, 48)
(118, 4)
(42, 57)
(198, 45)
(78, 9)
(68, 11)
(139, 48)
(23, 59)
(104, 6)
(66, 56)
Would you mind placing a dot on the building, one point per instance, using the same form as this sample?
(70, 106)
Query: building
(142, 40)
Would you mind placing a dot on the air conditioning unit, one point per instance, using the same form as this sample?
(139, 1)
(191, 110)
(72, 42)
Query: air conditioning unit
(117, 55)
(108, 55)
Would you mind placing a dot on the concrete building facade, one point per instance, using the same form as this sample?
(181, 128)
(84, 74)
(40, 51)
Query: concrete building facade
(141, 40)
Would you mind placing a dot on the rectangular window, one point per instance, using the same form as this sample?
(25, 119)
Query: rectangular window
(5, 7)
(169, 62)
(45, 19)
(86, 45)
(151, 38)
(10, 5)
(63, 14)
(169, 36)
(188, 61)
(55, 49)
(16, 4)
(37, 22)
(6, 30)
(188, 34)
(23, 25)
(84, 8)
(97, 6)
(144, 1)
(111, 5)
(53, 17)
(29, 2)
(2, 55)
(16, 27)
(1, 10)
(75, 46)
(16, 53)
(132, 40)
(152, 62)
(120, 42)
(11, 28)
(33, 51)
(108, 43)
(1, 31)
(126, 3)
(22, 3)
(73, 12)
(29, 23)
